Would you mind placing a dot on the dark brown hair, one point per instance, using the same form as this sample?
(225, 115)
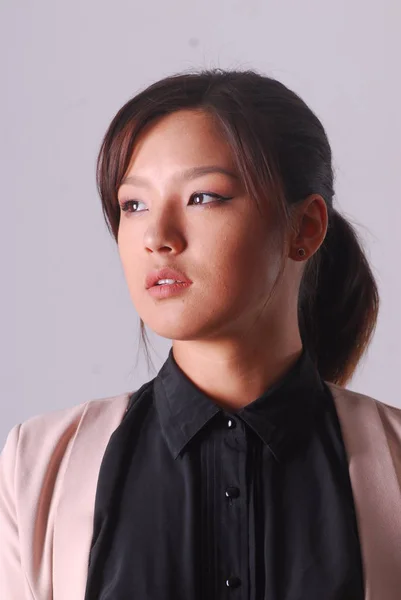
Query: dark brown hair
(283, 155)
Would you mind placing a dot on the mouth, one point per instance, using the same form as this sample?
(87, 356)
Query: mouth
(165, 276)
(166, 290)
(168, 282)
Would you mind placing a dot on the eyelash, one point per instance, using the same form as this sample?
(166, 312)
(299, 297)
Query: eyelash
(219, 199)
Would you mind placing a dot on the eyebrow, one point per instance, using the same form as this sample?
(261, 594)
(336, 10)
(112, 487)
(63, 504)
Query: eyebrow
(188, 174)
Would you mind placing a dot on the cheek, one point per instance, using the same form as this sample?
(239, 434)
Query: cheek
(129, 252)
(123, 251)
(242, 259)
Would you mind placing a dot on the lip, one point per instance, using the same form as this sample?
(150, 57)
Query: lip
(167, 290)
(165, 273)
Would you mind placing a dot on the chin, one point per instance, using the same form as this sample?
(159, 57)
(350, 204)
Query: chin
(178, 325)
(180, 320)
(175, 332)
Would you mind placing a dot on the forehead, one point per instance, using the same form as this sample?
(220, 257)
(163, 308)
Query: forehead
(185, 137)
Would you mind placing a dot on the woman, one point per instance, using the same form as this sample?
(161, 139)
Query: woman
(245, 469)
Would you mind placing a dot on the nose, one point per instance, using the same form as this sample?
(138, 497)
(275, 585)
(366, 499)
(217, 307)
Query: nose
(165, 238)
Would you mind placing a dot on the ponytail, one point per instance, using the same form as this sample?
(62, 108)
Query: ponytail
(339, 302)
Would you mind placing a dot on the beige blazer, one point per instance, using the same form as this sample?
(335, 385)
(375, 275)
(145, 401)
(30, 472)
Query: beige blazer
(48, 476)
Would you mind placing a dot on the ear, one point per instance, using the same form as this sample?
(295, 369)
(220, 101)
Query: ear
(310, 227)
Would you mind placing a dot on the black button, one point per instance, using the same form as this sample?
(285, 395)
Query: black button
(232, 492)
(231, 424)
(233, 582)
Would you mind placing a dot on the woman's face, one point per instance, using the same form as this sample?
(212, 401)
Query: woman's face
(225, 248)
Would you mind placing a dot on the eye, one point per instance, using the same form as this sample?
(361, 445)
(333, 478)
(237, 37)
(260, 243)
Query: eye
(125, 205)
(217, 197)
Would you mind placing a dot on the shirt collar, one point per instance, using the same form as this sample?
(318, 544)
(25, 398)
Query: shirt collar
(282, 416)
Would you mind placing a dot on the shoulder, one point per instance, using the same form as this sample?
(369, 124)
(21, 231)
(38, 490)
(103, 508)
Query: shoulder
(35, 462)
(50, 434)
(349, 401)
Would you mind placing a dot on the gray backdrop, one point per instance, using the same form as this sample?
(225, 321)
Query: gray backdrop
(69, 332)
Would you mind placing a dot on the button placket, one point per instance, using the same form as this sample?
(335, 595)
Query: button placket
(235, 517)
(232, 492)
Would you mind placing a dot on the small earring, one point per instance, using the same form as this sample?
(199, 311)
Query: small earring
(301, 252)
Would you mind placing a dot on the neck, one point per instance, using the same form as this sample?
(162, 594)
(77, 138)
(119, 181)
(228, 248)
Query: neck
(234, 372)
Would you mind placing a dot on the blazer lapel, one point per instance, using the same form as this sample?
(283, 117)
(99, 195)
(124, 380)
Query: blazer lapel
(73, 525)
(376, 491)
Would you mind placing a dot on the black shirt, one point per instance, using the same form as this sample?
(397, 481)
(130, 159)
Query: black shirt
(195, 502)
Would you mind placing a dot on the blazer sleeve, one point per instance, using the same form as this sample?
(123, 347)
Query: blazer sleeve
(12, 578)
